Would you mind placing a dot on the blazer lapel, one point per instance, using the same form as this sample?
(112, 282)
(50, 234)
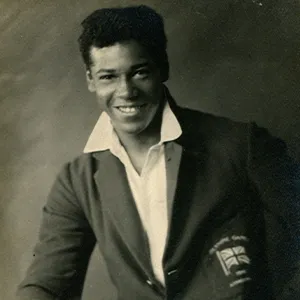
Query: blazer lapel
(186, 212)
(190, 205)
(173, 152)
(118, 203)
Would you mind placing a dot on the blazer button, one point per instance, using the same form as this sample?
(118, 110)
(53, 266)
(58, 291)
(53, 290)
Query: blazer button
(149, 282)
(172, 272)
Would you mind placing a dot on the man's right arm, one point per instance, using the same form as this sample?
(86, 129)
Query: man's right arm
(65, 244)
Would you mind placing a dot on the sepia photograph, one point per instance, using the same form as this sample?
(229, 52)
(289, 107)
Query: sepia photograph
(150, 150)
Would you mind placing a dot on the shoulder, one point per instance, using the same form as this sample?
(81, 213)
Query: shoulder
(212, 129)
(81, 163)
(191, 117)
(76, 171)
(75, 182)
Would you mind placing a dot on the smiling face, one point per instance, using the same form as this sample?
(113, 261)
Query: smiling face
(127, 84)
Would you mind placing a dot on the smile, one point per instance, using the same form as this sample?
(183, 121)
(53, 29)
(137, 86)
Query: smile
(130, 109)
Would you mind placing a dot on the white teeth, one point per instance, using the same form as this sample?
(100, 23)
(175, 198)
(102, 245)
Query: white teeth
(128, 109)
(131, 109)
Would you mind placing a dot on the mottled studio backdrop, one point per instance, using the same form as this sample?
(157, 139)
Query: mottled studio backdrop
(236, 58)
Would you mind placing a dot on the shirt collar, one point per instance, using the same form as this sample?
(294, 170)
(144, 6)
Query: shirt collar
(103, 135)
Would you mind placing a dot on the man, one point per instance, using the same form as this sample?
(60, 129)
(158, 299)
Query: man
(182, 204)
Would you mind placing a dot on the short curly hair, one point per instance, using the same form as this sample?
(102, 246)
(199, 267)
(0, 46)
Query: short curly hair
(108, 26)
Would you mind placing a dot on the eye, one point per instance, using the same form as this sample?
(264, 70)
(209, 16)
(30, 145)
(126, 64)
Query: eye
(107, 77)
(142, 73)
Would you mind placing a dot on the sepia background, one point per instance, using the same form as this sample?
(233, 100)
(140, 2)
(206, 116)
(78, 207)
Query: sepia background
(237, 58)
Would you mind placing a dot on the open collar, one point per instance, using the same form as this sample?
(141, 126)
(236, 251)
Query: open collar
(103, 136)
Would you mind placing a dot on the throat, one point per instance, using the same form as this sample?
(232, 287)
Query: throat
(137, 151)
(138, 161)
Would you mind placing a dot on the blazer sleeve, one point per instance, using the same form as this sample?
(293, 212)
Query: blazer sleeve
(276, 178)
(62, 252)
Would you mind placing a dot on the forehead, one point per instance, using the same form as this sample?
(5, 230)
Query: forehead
(119, 56)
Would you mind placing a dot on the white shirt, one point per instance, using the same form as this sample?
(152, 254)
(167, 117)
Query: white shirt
(149, 189)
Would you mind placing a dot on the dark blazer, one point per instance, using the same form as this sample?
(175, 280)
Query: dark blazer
(234, 223)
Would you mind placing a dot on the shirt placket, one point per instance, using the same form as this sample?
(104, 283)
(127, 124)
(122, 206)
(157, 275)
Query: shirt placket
(157, 213)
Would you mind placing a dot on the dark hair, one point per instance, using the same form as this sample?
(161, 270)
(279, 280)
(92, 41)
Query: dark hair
(107, 26)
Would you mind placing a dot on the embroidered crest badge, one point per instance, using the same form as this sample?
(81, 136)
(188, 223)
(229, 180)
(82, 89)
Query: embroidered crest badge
(231, 257)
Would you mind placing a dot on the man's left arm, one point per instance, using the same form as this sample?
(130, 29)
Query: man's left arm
(277, 179)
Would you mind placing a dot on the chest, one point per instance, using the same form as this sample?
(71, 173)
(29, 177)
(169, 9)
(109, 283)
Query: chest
(212, 216)
(148, 186)
(211, 248)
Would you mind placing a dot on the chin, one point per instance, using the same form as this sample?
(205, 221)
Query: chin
(133, 129)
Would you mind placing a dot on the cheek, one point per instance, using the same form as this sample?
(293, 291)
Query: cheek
(156, 92)
(151, 88)
(104, 95)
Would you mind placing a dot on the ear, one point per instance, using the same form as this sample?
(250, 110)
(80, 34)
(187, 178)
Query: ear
(90, 81)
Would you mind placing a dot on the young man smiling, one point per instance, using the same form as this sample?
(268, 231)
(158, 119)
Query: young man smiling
(183, 204)
(128, 86)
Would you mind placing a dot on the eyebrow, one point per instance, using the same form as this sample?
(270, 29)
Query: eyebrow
(141, 65)
(134, 67)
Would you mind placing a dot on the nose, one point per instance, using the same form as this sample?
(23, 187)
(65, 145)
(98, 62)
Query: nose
(126, 89)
